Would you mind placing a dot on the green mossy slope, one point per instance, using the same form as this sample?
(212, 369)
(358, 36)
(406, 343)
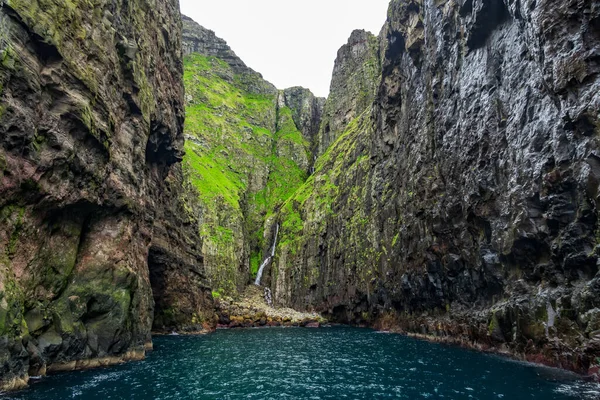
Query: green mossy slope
(244, 156)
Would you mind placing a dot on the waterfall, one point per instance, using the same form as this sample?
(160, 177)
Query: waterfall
(268, 259)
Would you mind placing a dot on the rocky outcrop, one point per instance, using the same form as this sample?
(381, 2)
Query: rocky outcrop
(197, 39)
(464, 203)
(307, 111)
(180, 286)
(91, 118)
(353, 86)
(252, 310)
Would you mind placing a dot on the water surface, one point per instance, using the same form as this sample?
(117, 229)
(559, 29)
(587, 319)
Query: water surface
(330, 363)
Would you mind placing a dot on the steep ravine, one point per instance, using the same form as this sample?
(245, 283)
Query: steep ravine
(248, 147)
(462, 204)
(447, 188)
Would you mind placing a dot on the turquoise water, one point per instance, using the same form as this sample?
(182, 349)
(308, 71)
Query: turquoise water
(330, 363)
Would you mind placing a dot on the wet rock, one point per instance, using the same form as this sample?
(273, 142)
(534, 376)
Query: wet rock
(464, 200)
(91, 136)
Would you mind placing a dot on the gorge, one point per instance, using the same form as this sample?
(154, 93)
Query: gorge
(447, 188)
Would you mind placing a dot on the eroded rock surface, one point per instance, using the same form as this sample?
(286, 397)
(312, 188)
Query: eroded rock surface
(198, 39)
(251, 310)
(464, 203)
(91, 137)
(454, 194)
(353, 86)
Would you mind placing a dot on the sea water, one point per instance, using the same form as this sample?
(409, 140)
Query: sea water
(297, 363)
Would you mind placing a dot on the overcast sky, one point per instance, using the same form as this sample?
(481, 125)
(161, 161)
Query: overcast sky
(291, 42)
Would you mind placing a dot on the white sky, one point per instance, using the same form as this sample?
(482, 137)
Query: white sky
(290, 42)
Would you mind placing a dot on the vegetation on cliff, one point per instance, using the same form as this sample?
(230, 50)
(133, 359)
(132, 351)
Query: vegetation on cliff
(91, 132)
(448, 187)
(473, 216)
(244, 156)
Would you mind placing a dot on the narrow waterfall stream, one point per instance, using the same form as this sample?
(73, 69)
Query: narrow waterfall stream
(268, 259)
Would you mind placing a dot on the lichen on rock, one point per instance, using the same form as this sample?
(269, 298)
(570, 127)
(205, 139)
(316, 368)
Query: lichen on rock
(465, 208)
(91, 132)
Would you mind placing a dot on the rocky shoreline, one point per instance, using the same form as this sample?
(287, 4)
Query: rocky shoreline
(22, 382)
(457, 331)
(251, 310)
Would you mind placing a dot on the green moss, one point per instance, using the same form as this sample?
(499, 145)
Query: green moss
(87, 118)
(218, 235)
(293, 223)
(493, 325)
(287, 130)
(209, 177)
(242, 161)
(87, 297)
(8, 58)
(17, 227)
(55, 21)
(11, 308)
(284, 179)
(56, 260)
(313, 205)
(255, 260)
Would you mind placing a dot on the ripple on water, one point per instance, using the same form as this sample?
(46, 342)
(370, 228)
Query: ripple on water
(334, 363)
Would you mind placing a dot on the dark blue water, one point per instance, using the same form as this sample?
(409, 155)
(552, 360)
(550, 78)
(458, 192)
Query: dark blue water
(331, 363)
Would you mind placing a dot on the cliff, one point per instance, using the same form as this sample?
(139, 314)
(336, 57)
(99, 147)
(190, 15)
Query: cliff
(463, 203)
(353, 86)
(447, 188)
(249, 146)
(91, 139)
(198, 39)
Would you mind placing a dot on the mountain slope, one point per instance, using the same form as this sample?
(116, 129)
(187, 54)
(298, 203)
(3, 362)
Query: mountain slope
(249, 146)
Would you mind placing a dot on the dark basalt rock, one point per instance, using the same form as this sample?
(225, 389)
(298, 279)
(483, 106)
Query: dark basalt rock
(91, 135)
(465, 206)
(353, 86)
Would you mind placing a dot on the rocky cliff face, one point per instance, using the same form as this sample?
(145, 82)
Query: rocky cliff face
(248, 148)
(353, 86)
(454, 192)
(307, 113)
(307, 271)
(91, 118)
(198, 39)
(463, 204)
